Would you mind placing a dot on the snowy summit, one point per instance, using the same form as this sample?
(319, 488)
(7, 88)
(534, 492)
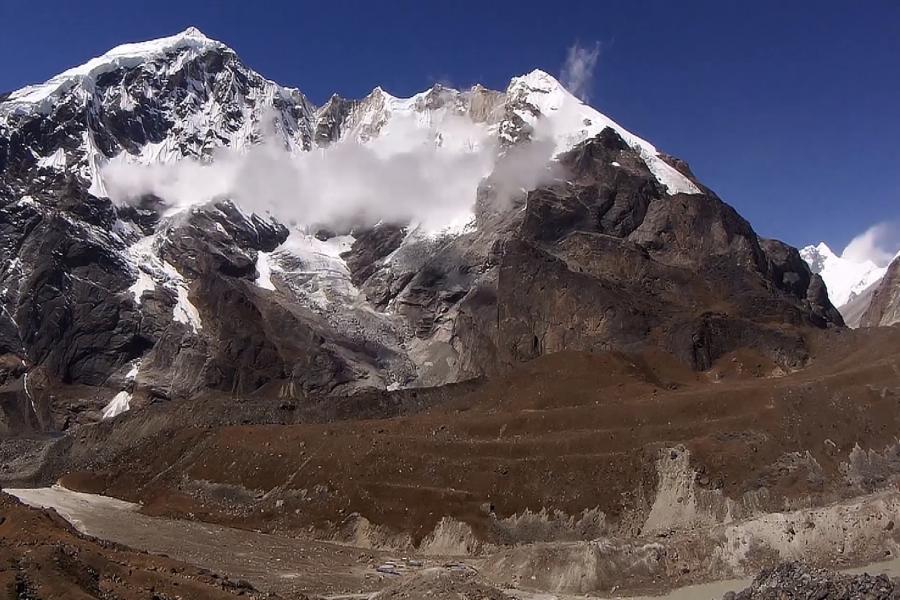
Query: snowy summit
(844, 278)
(127, 55)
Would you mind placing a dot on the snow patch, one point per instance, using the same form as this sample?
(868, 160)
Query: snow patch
(57, 160)
(120, 403)
(184, 310)
(143, 283)
(133, 371)
(153, 271)
(315, 269)
(264, 279)
(28, 394)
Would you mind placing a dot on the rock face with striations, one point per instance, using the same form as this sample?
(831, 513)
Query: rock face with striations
(605, 259)
(606, 243)
(884, 303)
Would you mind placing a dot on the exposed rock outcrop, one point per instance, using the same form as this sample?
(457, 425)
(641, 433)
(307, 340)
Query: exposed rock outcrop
(796, 580)
(884, 305)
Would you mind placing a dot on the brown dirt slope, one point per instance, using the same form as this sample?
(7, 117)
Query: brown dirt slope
(43, 558)
(568, 432)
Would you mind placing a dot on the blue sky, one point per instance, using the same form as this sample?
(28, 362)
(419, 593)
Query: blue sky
(789, 110)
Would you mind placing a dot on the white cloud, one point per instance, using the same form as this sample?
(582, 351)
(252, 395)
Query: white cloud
(414, 174)
(578, 71)
(879, 244)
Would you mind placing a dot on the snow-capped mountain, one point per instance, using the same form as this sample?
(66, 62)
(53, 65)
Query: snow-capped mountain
(845, 278)
(187, 95)
(593, 246)
(151, 102)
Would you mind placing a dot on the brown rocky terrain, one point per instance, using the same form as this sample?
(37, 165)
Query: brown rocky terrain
(568, 432)
(791, 581)
(570, 447)
(43, 557)
(883, 307)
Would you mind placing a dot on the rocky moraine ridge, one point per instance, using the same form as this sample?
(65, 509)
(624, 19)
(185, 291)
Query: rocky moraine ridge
(106, 306)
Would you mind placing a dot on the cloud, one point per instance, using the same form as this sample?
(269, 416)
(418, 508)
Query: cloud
(879, 244)
(578, 71)
(425, 175)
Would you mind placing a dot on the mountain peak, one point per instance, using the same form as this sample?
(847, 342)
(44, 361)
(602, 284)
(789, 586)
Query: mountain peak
(824, 248)
(821, 249)
(844, 277)
(39, 97)
(189, 38)
(536, 80)
(193, 32)
(380, 92)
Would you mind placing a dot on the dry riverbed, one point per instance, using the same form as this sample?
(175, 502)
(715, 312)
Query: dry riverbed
(293, 566)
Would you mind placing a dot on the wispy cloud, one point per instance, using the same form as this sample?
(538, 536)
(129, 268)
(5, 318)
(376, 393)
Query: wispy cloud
(878, 243)
(578, 71)
(401, 177)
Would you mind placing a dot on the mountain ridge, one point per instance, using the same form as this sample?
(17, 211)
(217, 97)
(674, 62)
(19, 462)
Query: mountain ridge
(150, 298)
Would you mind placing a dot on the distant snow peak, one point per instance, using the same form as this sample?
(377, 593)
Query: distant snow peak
(815, 256)
(844, 277)
(861, 264)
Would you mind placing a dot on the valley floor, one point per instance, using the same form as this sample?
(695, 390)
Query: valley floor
(287, 566)
(291, 567)
(572, 475)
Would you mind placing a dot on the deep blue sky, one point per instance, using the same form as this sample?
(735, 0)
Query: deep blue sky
(789, 110)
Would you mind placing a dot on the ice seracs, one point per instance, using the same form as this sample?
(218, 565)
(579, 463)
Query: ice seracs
(313, 269)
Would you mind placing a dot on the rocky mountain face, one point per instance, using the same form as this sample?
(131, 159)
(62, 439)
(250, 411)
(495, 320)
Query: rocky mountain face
(109, 305)
(883, 307)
